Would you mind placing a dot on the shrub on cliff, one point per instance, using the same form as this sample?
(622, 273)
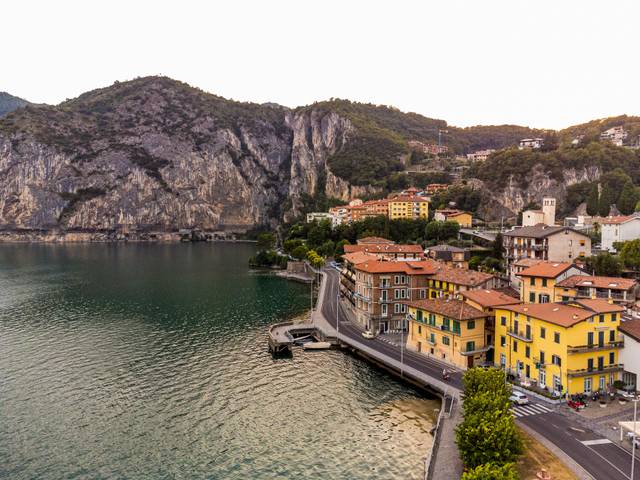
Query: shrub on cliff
(492, 471)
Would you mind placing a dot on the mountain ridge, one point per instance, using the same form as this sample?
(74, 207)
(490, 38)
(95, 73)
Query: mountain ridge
(157, 152)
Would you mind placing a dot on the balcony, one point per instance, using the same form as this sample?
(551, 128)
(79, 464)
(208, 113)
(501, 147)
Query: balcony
(595, 347)
(520, 335)
(584, 372)
(384, 285)
(467, 353)
(385, 300)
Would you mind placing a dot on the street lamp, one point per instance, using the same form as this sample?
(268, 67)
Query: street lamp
(633, 438)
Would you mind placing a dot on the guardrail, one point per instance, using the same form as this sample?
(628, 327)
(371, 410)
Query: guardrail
(428, 461)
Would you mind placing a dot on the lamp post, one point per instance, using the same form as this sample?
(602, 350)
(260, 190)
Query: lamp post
(633, 438)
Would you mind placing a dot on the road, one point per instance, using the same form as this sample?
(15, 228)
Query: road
(602, 459)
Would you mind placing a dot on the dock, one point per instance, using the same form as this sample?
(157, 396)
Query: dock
(282, 336)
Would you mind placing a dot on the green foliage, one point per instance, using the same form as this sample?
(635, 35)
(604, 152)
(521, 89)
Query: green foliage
(319, 233)
(291, 244)
(475, 262)
(300, 252)
(607, 197)
(315, 260)
(492, 471)
(629, 197)
(441, 231)
(592, 200)
(340, 247)
(488, 433)
(465, 198)
(496, 247)
(266, 241)
(630, 253)
(605, 264)
(268, 259)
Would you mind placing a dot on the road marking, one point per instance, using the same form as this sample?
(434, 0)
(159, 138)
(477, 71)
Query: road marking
(529, 409)
(599, 441)
(610, 463)
(578, 429)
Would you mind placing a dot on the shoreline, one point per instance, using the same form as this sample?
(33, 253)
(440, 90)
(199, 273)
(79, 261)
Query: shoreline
(59, 237)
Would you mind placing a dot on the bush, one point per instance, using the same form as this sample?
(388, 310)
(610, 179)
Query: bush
(300, 252)
(492, 471)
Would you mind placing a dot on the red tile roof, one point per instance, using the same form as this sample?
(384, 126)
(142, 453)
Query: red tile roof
(418, 267)
(385, 248)
(546, 269)
(617, 220)
(461, 276)
(599, 305)
(631, 328)
(374, 240)
(450, 308)
(556, 313)
(490, 298)
(614, 283)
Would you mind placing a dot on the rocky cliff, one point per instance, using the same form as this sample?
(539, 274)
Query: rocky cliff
(154, 153)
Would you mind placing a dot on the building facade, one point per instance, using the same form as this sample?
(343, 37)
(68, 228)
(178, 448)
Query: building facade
(538, 282)
(563, 348)
(617, 289)
(546, 216)
(619, 229)
(630, 354)
(449, 330)
(464, 219)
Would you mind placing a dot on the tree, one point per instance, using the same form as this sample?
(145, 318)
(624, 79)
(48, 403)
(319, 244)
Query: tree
(630, 254)
(605, 264)
(475, 262)
(628, 198)
(266, 241)
(492, 471)
(291, 244)
(315, 260)
(496, 248)
(300, 252)
(592, 200)
(340, 247)
(607, 197)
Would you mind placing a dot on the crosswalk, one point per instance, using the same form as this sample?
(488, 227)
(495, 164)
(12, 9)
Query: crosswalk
(529, 409)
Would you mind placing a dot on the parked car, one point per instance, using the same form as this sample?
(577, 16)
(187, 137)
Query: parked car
(368, 334)
(518, 398)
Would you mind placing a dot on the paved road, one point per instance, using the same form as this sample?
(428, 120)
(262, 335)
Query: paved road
(601, 458)
(411, 359)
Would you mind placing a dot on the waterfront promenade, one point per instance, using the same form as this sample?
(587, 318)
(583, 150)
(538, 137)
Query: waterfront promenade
(586, 452)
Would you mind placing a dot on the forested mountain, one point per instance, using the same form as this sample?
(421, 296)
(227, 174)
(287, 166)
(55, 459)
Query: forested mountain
(157, 153)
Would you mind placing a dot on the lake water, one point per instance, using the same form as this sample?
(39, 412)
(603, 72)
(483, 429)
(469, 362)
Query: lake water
(151, 362)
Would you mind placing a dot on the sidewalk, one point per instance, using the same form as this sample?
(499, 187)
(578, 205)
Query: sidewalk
(446, 462)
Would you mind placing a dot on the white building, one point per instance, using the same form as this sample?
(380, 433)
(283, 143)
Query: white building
(615, 135)
(480, 155)
(619, 229)
(533, 143)
(319, 216)
(546, 216)
(630, 354)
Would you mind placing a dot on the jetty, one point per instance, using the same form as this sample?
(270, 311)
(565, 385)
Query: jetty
(282, 336)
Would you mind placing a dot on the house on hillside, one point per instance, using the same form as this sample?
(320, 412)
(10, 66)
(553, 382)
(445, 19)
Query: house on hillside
(615, 135)
(464, 219)
(532, 143)
(543, 242)
(450, 255)
(619, 229)
(546, 216)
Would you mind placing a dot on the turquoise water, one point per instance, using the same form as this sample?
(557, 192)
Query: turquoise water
(150, 361)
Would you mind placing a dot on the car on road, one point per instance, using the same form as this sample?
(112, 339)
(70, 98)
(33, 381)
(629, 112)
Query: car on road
(518, 398)
(368, 334)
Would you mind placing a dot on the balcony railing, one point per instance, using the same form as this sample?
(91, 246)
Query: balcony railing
(385, 285)
(583, 372)
(595, 347)
(385, 300)
(520, 334)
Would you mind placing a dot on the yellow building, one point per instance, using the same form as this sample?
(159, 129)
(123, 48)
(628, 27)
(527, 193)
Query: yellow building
(450, 282)
(568, 348)
(449, 330)
(620, 290)
(464, 219)
(537, 283)
(412, 207)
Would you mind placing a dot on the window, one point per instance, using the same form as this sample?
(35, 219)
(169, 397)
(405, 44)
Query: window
(614, 317)
(532, 297)
(503, 340)
(432, 319)
(590, 364)
(601, 319)
(556, 337)
(612, 335)
(612, 358)
(423, 293)
(555, 359)
(432, 338)
(532, 281)
(541, 358)
(503, 359)
(419, 317)
(543, 332)
(543, 298)
(503, 321)
(527, 351)
(456, 327)
(544, 282)
(419, 329)
(471, 324)
(446, 323)
(515, 345)
(471, 346)
(589, 338)
(396, 308)
(445, 340)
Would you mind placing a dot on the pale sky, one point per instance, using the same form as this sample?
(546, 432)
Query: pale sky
(547, 64)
